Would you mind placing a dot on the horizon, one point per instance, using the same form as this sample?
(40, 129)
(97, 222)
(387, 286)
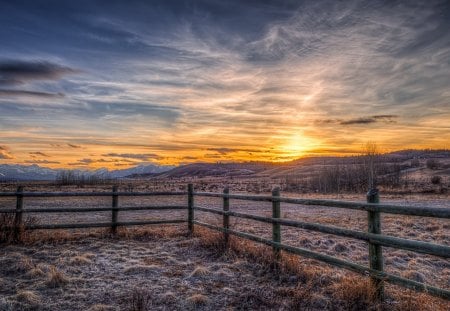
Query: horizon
(94, 84)
(281, 163)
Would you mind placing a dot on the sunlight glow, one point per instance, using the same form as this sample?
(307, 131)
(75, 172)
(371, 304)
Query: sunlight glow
(298, 145)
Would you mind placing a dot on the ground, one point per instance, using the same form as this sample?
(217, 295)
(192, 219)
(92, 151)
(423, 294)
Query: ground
(167, 269)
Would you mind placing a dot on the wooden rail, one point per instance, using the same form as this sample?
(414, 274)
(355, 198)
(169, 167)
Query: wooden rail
(374, 237)
(114, 209)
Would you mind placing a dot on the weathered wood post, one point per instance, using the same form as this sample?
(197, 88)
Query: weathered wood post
(191, 208)
(18, 217)
(276, 230)
(115, 209)
(226, 218)
(375, 251)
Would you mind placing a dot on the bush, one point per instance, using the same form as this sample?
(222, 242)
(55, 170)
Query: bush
(436, 180)
(432, 164)
(8, 230)
(415, 163)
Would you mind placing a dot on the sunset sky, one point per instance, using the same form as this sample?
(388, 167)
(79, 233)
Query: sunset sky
(117, 83)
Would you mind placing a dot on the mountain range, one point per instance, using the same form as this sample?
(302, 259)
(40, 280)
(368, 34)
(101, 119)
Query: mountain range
(35, 172)
(299, 166)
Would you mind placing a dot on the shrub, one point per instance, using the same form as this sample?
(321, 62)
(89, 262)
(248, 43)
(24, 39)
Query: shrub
(8, 228)
(415, 163)
(432, 164)
(436, 180)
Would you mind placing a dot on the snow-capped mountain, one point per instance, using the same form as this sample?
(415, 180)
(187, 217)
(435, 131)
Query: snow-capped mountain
(36, 172)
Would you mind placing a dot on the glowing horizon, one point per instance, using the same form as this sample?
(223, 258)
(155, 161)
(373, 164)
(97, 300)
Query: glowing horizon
(93, 84)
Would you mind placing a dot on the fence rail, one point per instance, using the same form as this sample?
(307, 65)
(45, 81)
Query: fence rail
(375, 239)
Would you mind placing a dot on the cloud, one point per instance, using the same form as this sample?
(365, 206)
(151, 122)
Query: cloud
(30, 93)
(223, 150)
(42, 162)
(18, 72)
(228, 77)
(74, 146)
(137, 156)
(83, 162)
(189, 158)
(5, 154)
(38, 153)
(385, 119)
(371, 119)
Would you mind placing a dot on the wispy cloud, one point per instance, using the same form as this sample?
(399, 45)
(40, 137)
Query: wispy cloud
(74, 146)
(5, 154)
(29, 94)
(137, 156)
(38, 153)
(42, 162)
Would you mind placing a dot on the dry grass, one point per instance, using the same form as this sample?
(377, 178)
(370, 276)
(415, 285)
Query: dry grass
(198, 299)
(355, 293)
(24, 264)
(346, 292)
(9, 233)
(56, 278)
(241, 276)
(83, 259)
(141, 269)
(28, 296)
(101, 307)
(199, 271)
(139, 300)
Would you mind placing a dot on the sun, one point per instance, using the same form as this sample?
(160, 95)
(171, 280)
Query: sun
(298, 145)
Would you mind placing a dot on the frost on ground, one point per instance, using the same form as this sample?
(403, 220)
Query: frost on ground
(164, 269)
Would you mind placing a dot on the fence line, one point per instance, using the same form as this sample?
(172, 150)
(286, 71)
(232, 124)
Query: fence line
(375, 239)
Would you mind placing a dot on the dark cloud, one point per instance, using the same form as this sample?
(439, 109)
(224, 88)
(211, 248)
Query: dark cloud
(73, 146)
(189, 158)
(88, 161)
(38, 153)
(82, 162)
(29, 93)
(371, 119)
(223, 150)
(137, 156)
(42, 162)
(382, 118)
(18, 72)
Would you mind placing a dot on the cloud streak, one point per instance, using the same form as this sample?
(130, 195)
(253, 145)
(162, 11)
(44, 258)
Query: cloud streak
(5, 154)
(18, 72)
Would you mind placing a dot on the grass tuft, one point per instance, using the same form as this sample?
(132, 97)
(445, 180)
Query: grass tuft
(56, 278)
(139, 300)
(28, 297)
(198, 299)
(199, 271)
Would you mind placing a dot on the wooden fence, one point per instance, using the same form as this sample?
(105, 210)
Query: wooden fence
(373, 236)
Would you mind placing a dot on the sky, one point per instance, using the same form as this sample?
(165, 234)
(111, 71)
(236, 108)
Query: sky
(89, 84)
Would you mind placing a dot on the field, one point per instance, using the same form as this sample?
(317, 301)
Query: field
(166, 269)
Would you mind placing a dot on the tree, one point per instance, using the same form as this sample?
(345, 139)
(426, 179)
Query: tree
(371, 155)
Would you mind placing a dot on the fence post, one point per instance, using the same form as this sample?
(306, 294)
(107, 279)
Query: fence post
(375, 251)
(191, 208)
(115, 209)
(226, 217)
(276, 231)
(18, 216)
